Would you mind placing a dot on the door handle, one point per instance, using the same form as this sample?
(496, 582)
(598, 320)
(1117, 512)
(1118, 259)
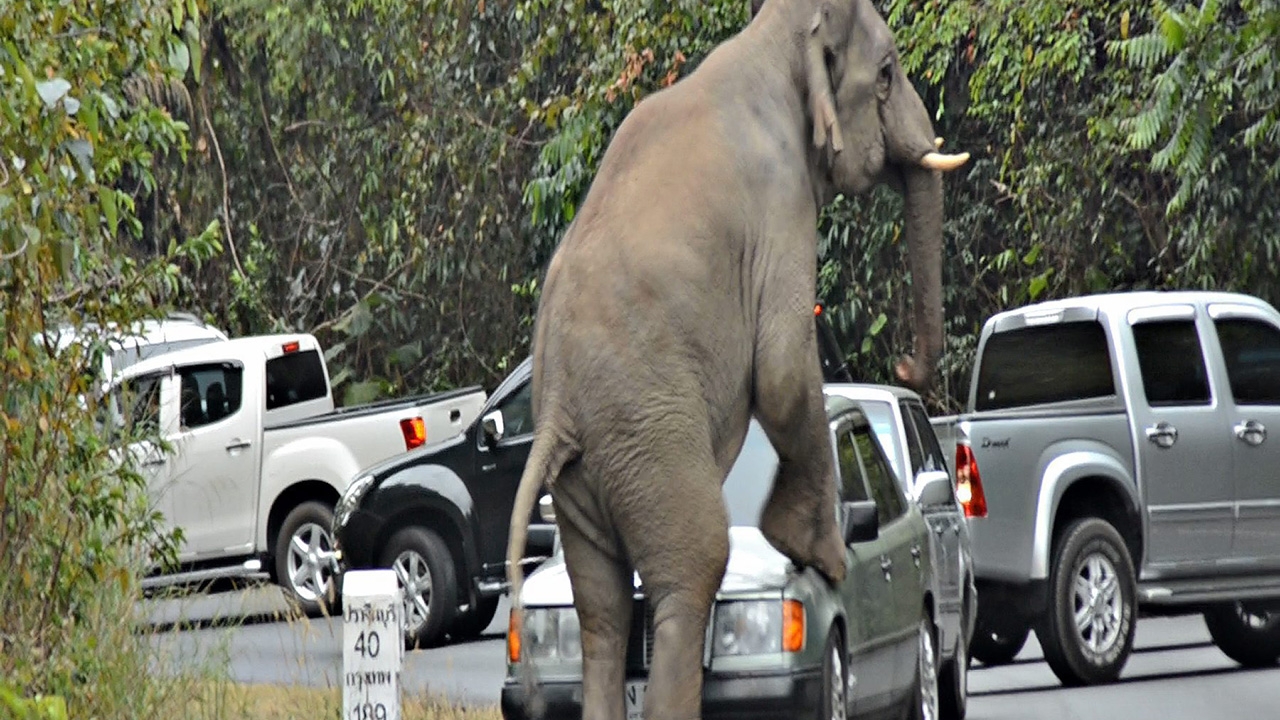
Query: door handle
(1162, 434)
(238, 444)
(1251, 431)
(152, 462)
(915, 554)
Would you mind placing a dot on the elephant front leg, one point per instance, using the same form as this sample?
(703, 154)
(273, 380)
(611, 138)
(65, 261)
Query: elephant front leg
(799, 518)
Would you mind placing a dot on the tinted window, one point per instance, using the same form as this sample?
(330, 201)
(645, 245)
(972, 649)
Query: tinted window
(209, 393)
(751, 478)
(1172, 365)
(517, 412)
(136, 403)
(884, 488)
(1251, 349)
(931, 457)
(1046, 364)
(294, 378)
(852, 487)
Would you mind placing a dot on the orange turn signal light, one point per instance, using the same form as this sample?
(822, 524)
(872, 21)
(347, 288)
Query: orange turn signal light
(817, 309)
(414, 431)
(513, 637)
(792, 625)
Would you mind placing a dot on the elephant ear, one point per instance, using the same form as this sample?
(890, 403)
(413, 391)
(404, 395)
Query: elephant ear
(822, 104)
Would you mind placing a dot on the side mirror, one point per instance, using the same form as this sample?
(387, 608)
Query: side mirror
(933, 487)
(546, 510)
(492, 426)
(860, 522)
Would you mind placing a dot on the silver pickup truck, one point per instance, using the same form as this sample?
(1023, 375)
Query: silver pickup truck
(1114, 460)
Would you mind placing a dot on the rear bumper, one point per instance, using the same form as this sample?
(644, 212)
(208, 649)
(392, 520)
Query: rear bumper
(729, 696)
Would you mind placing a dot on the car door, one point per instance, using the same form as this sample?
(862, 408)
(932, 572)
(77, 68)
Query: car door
(1183, 456)
(943, 520)
(866, 592)
(1250, 345)
(135, 417)
(902, 553)
(215, 462)
(500, 462)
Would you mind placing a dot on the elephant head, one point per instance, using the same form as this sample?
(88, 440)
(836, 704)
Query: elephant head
(870, 126)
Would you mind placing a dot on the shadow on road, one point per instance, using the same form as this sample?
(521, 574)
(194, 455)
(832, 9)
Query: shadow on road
(1137, 679)
(1136, 651)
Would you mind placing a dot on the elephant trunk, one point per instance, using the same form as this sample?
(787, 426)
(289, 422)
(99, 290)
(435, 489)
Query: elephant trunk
(922, 228)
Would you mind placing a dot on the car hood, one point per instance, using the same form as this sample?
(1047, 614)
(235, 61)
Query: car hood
(754, 565)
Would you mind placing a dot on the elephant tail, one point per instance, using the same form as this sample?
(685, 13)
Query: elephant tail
(552, 449)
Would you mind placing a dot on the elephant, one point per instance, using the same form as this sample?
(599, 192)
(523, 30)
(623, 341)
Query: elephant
(679, 304)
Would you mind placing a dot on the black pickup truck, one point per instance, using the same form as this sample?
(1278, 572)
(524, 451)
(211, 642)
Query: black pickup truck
(440, 515)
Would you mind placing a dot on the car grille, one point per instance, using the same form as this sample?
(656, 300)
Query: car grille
(640, 639)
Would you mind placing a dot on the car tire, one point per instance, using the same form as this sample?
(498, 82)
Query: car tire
(470, 624)
(304, 562)
(1249, 637)
(994, 648)
(923, 703)
(834, 702)
(953, 680)
(425, 571)
(1087, 633)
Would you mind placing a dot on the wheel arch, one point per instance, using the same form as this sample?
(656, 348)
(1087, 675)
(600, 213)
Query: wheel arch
(444, 523)
(1084, 484)
(292, 497)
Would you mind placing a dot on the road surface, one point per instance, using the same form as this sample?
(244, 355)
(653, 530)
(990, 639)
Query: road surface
(1174, 673)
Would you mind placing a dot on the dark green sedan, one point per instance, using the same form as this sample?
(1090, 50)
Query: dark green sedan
(782, 641)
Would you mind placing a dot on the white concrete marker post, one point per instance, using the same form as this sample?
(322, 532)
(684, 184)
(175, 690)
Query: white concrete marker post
(372, 645)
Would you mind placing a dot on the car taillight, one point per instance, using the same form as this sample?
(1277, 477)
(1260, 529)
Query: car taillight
(415, 432)
(969, 483)
(513, 637)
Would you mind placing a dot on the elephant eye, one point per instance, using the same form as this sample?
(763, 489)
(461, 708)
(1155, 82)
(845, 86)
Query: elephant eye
(885, 79)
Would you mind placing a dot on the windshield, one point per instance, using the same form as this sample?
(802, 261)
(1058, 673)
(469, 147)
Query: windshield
(750, 479)
(880, 414)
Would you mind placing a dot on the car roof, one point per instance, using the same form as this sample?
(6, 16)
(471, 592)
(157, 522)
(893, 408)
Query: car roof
(1111, 303)
(226, 349)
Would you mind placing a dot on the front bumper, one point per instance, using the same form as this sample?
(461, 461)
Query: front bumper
(731, 696)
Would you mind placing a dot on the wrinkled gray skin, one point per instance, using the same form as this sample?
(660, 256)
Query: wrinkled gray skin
(680, 303)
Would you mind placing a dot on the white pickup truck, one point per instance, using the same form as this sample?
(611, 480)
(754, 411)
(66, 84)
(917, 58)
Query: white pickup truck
(259, 456)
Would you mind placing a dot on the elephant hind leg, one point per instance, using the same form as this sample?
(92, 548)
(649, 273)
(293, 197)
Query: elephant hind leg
(799, 518)
(603, 594)
(680, 547)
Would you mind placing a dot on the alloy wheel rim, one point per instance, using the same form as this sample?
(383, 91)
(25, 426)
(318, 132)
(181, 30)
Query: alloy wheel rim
(415, 582)
(310, 562)
(837, 685)
(1097, 604)
(928, 674)
(1259, 621)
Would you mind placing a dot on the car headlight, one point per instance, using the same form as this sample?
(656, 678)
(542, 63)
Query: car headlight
(551, 635)
(748, 627)
(758, 627)
(350, 499)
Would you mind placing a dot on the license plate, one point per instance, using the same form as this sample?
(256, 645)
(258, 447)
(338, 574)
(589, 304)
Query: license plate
(635, 699)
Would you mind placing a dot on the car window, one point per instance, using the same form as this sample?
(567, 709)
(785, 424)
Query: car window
(209, 393)
(295, 377)
(880, 478)
(1171, 361)
(880, 415)
(135, 403)
(931, 457)
(517, 413)
(853, 486)
(1251, 349)
(1044, 364)
(913, 442)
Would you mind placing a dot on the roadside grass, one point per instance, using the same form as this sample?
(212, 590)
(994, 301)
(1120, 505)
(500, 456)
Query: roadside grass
(197, 684)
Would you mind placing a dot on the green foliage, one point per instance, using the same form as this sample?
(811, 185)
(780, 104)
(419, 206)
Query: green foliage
(82, 129)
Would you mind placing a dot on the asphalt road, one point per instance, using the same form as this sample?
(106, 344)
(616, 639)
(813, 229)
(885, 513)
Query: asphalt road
(1174, 673)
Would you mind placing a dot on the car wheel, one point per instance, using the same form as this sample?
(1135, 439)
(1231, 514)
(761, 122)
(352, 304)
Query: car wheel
(1251, 638)
(1087, 634)
(304, 558)
(997, 647)
(473, 622)
(924, 703)
(953, 685)
(425, 572)
(835, 679)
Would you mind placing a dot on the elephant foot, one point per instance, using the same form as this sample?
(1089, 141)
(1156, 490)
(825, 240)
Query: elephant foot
(806, 541)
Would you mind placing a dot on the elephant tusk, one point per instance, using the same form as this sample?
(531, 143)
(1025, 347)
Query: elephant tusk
(937, 143)
(944, 162)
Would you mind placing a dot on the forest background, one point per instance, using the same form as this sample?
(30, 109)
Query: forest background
(393, 176)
